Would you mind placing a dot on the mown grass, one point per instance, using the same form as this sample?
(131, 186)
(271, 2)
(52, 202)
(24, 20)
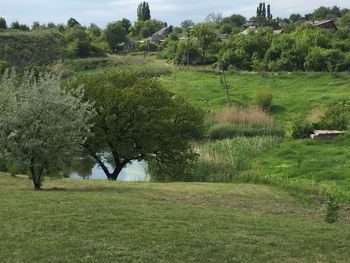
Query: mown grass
(292, 93)
(81, 221)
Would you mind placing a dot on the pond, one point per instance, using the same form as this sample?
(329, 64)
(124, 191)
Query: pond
(88, 169)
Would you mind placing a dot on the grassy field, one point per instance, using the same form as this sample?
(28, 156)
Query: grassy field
(293, 93)
(84, 221)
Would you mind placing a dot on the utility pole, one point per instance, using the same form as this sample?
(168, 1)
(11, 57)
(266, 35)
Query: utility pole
(224, 84)
(188, 55)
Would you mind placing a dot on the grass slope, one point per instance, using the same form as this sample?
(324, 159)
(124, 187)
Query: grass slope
(83, 221)
(293, 93)
(321, 167)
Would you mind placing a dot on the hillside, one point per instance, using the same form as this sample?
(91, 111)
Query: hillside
(21, 49)
(292, 92)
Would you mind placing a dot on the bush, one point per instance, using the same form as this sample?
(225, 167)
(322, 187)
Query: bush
(298, 127)
(263, 100)
(336, 117)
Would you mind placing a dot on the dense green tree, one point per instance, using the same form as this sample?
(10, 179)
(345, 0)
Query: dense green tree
(18, 26)
(328, 12)
(293, 18)
(226, 29)
(243, 51)
(137, 119)
(3, 24)
(234, 20)
(344, 21)
(72, 22)
(115, 34)
(206, 37)
(126, 24)
(41, 125)
(187, 24)
(269, 14)
(144, 29)
(78, 42)
(143, 12)
(36, 25)
(51, 25)
(94, 31)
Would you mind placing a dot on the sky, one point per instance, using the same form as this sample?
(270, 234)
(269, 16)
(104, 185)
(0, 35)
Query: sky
(173, 12)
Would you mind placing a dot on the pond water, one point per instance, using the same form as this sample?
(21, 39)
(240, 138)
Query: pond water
(88, 169)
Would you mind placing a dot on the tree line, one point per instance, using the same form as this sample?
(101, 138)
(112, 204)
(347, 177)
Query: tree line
(218, 40)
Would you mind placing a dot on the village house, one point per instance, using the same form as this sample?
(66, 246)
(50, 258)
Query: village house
(328, 25)
(159, 36)
(254, 24)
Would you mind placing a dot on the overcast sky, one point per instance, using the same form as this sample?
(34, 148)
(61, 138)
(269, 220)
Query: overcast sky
(103, 11)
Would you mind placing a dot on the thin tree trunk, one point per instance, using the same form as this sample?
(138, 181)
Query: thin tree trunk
(36, 175)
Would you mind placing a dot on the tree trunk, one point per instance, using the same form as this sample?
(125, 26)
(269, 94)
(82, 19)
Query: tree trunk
(37, 182)
(36, 175)
(116, 172)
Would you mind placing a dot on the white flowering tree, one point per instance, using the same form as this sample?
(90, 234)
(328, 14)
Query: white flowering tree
(42, 126)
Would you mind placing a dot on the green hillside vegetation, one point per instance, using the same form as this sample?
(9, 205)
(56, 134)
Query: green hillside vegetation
(308, 166)
(292, 93)
(82, 221)
(20, 49)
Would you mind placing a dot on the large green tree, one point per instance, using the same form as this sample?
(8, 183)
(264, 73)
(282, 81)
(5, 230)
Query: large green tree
(143, 12)
(41, 125)
(3, 24)
(206, 37)
(115, 35)
(137, 119)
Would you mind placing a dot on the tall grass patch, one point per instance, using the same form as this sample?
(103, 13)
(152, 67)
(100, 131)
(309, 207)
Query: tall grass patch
(221, 161)
(233, 122)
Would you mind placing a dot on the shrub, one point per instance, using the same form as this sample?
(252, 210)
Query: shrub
(298, 127)
(335, 117)
(263, 100)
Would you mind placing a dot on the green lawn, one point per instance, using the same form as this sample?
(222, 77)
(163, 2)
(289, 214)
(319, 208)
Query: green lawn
(293, 93)
(85, 221)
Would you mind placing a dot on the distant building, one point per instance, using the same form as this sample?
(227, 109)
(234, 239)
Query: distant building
(328, 25)
(159, 36)
(255, 24)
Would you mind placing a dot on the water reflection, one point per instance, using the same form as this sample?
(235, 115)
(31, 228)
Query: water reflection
(88, 169)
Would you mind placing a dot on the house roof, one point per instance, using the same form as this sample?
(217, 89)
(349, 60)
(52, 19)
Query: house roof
(251, 23)
(320, 22)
